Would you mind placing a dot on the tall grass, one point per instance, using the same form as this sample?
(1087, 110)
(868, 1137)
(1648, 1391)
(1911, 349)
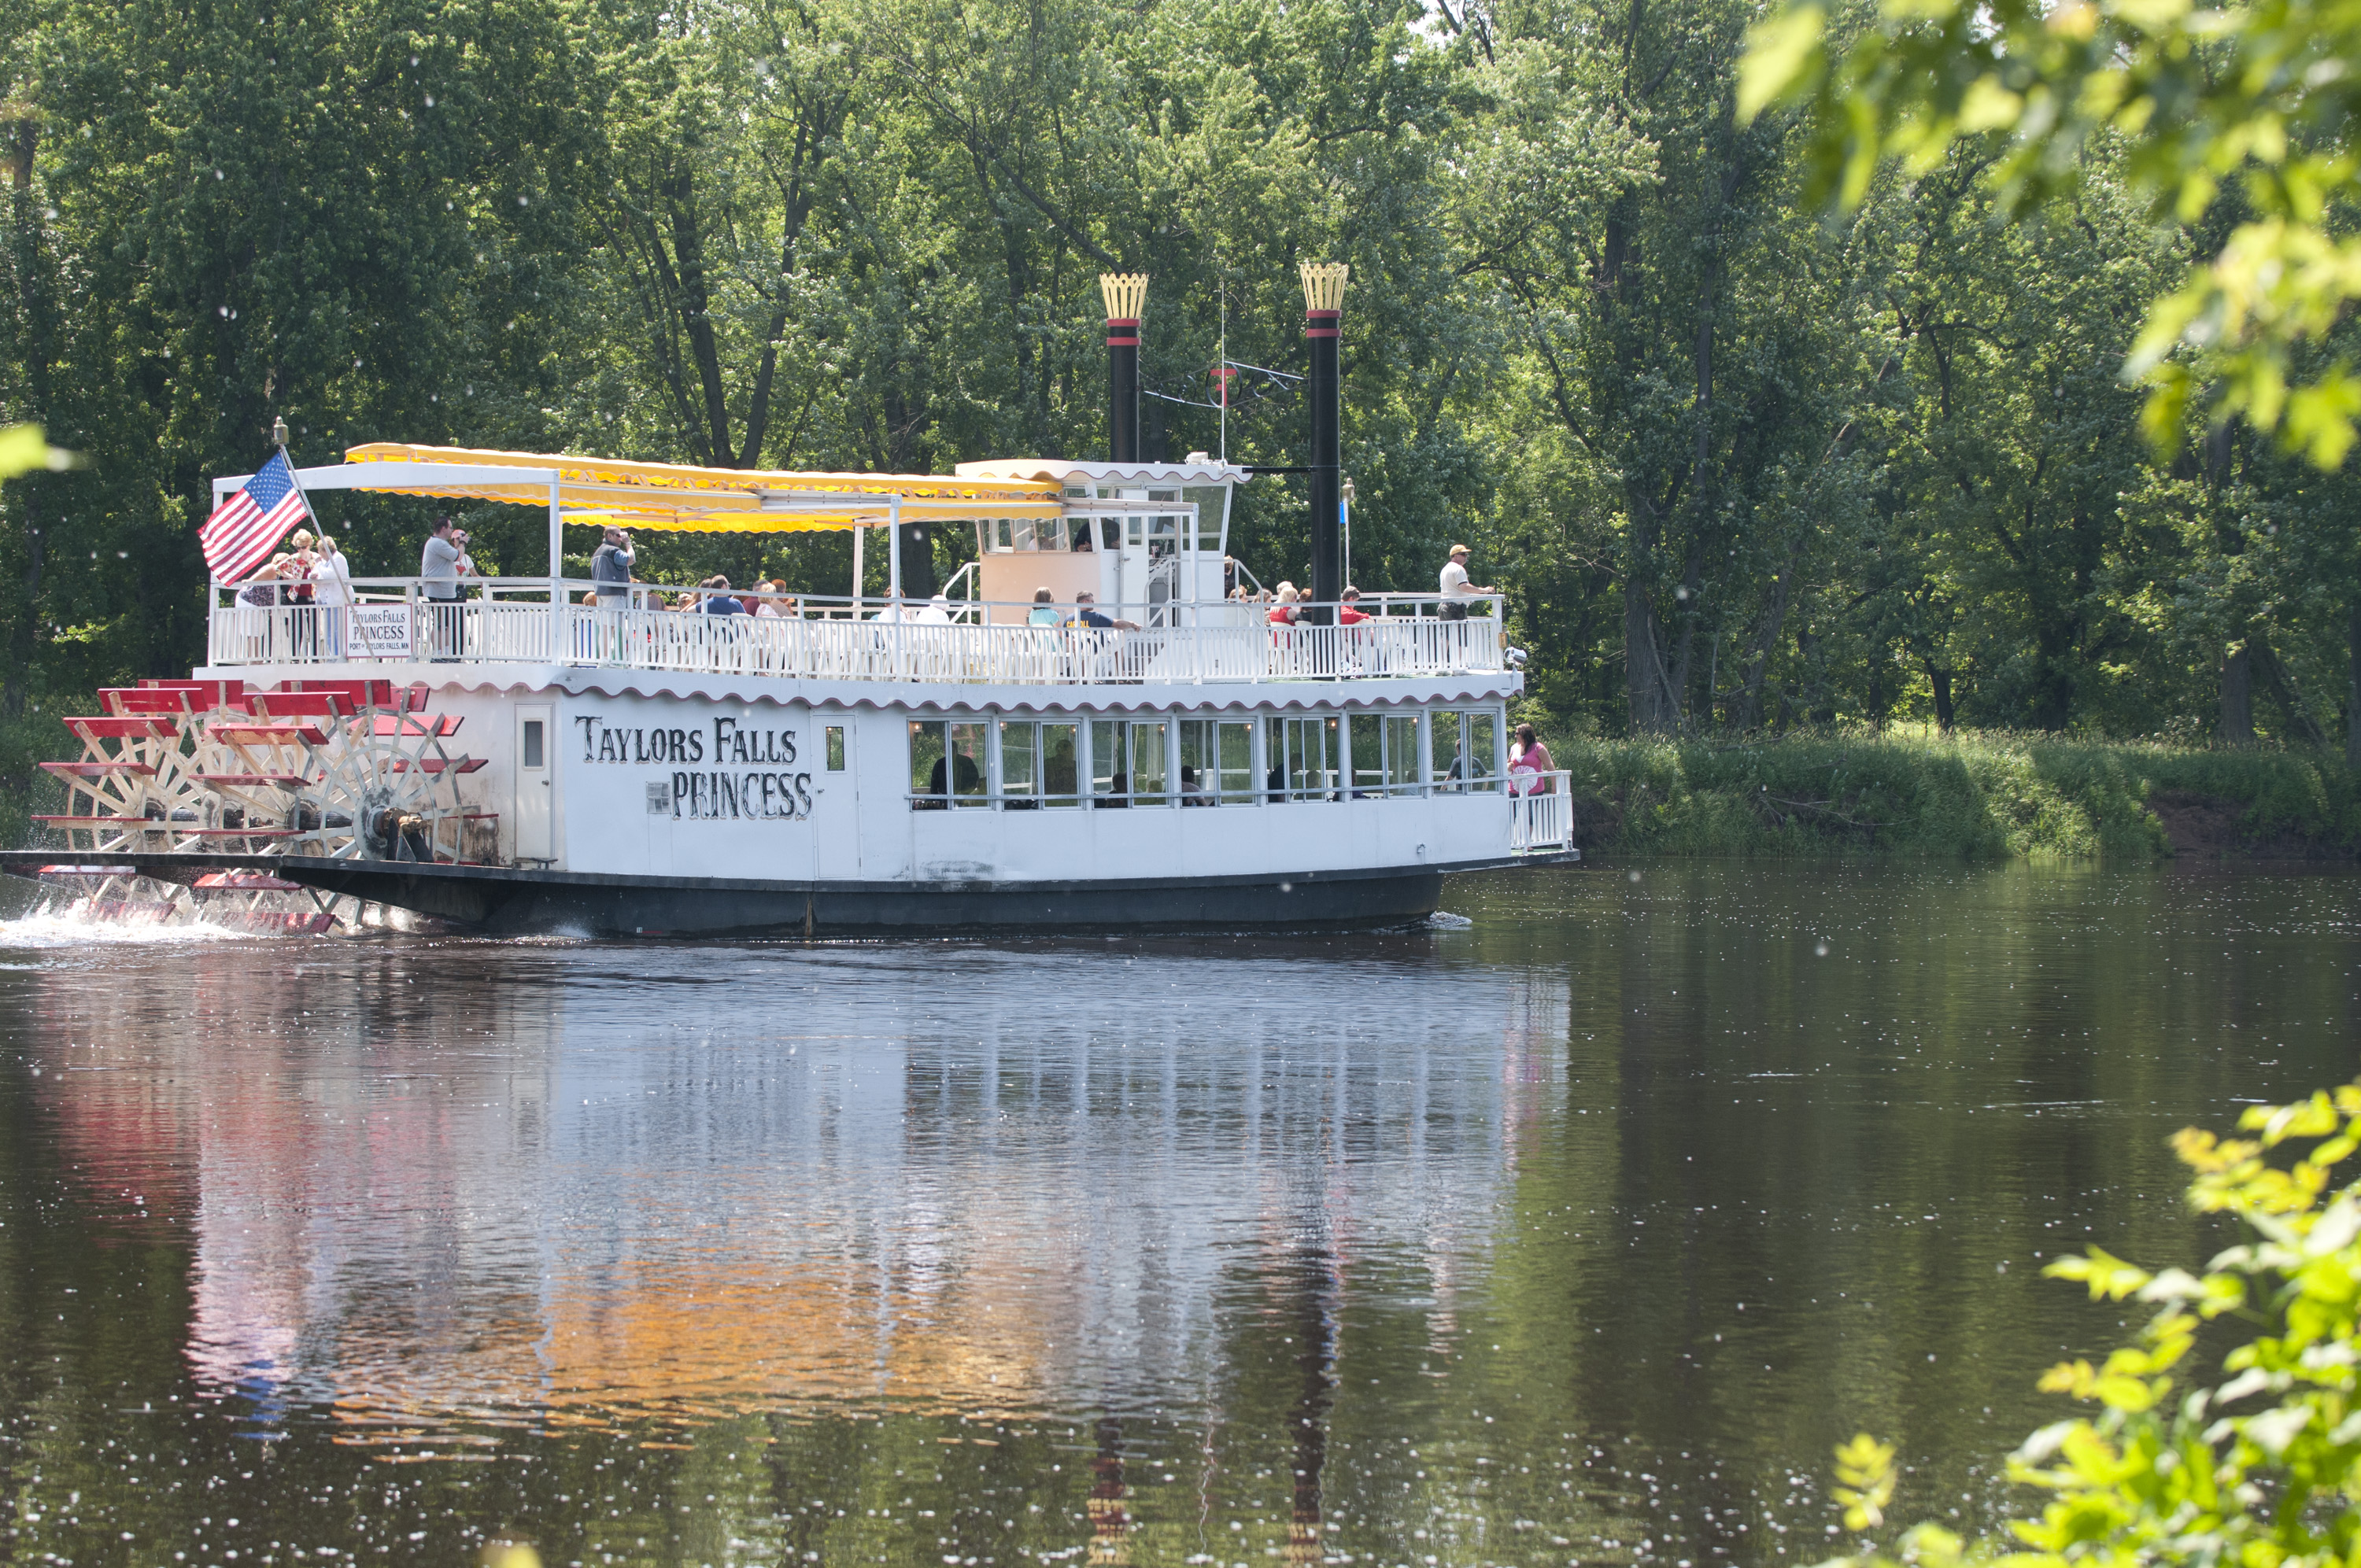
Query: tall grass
(1964, 796)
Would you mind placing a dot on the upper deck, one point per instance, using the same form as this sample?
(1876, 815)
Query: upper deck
(511, 621)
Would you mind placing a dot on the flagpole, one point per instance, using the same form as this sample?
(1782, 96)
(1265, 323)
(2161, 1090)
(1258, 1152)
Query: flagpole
(279, 439)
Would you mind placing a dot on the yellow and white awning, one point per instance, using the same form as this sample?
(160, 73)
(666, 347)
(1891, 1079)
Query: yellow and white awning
(672, 497)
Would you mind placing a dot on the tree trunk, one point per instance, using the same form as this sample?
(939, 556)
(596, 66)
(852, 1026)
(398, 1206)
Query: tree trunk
(1652, 711)
(1941, 681)
(2237, 699)
(696, 316)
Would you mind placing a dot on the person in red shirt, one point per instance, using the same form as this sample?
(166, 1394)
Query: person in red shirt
(1282, 606)
(1349, 612)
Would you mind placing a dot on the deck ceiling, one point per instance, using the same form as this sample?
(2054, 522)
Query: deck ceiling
(672, 497)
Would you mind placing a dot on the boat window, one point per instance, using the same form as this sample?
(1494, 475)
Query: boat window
(1299, 758)
(1148, 784)
(1449, 769)
(1464, 749)
(1057, 771)
(1217, 758)
(1401, 753)
(1479, 741)
(532, 743)
(1111, 532)
(835, 748)
(1036, 763)
(1019, 778)
(1369, 754)
(947, 764)
(1127, 763)
(1385, 754)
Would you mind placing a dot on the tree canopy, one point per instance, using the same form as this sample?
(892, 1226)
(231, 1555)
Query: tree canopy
(1744, 459)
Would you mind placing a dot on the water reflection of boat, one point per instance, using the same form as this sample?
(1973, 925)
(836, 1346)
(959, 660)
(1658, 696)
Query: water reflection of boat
(589, 1217)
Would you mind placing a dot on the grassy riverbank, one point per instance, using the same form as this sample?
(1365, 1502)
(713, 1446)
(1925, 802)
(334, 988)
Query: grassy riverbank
(1979, 796)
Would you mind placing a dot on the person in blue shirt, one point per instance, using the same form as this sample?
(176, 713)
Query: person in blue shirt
(1087, 613)
(720, 600)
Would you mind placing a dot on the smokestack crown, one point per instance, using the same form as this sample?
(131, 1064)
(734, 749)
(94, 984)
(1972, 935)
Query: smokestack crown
(1324, 287)
(1126, 294)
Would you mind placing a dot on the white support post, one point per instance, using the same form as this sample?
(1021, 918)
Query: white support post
(859, 538)
(557, 649)
(901, 632)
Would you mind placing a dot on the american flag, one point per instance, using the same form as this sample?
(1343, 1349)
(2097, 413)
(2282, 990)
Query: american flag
(245, 529)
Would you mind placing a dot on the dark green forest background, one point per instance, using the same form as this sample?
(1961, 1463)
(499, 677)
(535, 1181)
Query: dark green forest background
(1740, 467)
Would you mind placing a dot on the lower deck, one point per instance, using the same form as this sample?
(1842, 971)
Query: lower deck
(794, 782)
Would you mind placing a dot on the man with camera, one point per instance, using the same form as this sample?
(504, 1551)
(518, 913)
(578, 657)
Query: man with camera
(440, 566)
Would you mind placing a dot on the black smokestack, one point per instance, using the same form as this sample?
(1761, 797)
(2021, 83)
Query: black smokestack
(1324, 315)
(1126, 296)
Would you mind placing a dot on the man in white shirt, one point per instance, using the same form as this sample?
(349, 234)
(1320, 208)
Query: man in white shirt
(1457, 589)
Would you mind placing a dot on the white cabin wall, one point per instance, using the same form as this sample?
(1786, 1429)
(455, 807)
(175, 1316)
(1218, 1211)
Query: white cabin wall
(1009, 581)
(766, 824)
(859, 826)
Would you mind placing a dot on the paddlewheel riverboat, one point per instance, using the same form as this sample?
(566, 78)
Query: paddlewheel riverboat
(536, 756)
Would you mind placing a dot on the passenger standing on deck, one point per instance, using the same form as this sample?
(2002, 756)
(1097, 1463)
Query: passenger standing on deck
(1529, 764)
(721, 601)
(438, 572)
(331, 591)
(1457, 589)
(1044, 611)
(611, 568)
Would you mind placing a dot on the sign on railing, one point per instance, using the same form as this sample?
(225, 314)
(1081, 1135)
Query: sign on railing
(377, 630)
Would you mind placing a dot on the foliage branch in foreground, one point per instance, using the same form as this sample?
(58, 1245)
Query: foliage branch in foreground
(2261, 1470)
(2235, 121)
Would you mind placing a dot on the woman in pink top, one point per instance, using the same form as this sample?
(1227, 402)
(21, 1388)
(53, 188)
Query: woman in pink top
(1530, 758)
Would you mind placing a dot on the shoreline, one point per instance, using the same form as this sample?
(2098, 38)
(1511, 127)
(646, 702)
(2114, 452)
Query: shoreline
(1971, 796)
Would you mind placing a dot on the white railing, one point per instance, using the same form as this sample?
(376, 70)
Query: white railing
(826, 639)
(1543, 821)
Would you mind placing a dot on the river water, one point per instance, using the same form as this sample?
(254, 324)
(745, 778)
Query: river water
(1576, 1228)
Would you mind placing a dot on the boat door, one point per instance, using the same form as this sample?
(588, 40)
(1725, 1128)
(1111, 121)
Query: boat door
(535, 807)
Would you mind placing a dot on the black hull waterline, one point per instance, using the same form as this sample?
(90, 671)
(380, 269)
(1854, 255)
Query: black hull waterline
(522, 901)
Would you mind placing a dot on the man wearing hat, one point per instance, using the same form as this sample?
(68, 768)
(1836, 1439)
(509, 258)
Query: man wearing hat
(1457, 589)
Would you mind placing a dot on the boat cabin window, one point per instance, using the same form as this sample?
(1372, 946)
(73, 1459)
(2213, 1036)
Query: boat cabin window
(1217, 762)
(1300, 757)
(947, 764)
(1127, 763)
(1037, 764)
(1026, 764)
(835, 748)
(1465, 750)
(1385, 754)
